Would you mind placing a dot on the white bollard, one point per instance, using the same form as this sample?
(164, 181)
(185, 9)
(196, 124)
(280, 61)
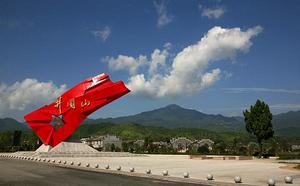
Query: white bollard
(65, 162)
(106, 166)
(271, 182)
(71, 163)
(165, 173)
(237, 179)
(78, 164)
(131, 169)
(87, 165)
(119, 168)
(59, 161)
(186, 175)
(209, 177)
(96, 166)
(148, 171)
(53, 161)
(288, 179)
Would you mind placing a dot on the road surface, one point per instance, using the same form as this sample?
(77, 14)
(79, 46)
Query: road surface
(20, 172)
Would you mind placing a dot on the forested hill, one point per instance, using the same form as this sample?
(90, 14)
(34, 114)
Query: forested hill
(9, 124)
(174, 116)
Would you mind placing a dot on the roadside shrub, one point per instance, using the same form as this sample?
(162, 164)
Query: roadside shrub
(289, 155)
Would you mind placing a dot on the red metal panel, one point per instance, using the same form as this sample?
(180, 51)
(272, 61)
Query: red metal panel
(55, 122)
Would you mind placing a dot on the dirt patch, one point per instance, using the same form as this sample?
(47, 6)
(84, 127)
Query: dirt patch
(290, 166)
(205, 157)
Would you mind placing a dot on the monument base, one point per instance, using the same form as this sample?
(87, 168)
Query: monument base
(76, 149)
(67, 147)
(72, 147)
(44, 148)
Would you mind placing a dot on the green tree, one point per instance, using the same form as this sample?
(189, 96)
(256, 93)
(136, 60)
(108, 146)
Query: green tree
(219, 147)
(112, 147)
(258, 122)
(5, 141)
(125, 146)
(204, 149)
(252, 148)
(17, 138)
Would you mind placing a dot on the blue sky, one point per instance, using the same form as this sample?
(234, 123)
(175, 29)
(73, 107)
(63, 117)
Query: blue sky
(49, 46)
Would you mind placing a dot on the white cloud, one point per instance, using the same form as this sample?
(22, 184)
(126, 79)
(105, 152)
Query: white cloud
(21, 97)
(238, 111)
(123, 62)
(249, 90)
(163, 17)
(285, 107)
(158, 59)
(102, 34)
(210, 78)
(188, 72)
(213, 13)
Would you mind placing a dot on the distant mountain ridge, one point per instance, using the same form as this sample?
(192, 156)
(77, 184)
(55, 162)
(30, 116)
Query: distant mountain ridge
(174, 116)
(10, 124)
(289, 119)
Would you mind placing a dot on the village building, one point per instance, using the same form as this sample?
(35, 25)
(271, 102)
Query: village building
(295, 147)
(112, 143)
(139, 143)
(202, 142)
(181, 144)
(104, 143)
(95, 142)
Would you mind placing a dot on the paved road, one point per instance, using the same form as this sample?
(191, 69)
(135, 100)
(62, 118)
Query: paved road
(20, 172)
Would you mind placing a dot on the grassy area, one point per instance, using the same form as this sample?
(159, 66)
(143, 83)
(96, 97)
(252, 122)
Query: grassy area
(289, 156)
(132, 131)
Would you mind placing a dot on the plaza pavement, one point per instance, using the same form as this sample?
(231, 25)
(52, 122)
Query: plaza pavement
(252, 172)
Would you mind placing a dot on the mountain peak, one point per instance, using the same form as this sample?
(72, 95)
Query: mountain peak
(10, 124)
(175, 116)
(173, 106)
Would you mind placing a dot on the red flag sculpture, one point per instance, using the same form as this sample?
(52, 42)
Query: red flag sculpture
(56, 122)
